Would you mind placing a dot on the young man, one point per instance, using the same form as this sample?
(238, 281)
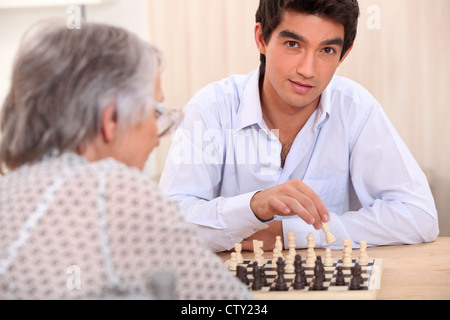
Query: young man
(291, 146)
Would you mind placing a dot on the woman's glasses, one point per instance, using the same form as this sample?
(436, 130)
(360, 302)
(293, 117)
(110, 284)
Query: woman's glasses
(167, 120)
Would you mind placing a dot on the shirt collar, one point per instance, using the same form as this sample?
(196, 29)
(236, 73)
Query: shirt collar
(324, 108)
(250, 112)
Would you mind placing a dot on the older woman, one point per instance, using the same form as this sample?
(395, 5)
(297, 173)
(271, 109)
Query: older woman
(77, 217)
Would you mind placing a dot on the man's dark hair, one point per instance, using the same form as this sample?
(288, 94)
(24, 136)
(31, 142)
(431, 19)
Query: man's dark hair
(344, 12)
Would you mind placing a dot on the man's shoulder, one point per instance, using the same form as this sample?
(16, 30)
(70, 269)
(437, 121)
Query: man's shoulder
(218, 103)
(225, 90)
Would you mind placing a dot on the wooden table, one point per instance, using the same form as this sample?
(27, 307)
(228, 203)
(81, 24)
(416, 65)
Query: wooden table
(417, 272)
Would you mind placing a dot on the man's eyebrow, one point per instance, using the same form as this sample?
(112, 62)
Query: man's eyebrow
(338, 42)
(292, 35)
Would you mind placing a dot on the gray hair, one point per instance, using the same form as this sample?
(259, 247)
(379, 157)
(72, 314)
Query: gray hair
(62, 81)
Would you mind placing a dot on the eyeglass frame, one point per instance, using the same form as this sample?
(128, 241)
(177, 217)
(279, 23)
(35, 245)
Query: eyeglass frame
(167, 120)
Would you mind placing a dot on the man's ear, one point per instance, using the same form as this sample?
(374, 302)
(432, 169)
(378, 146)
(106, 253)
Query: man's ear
(346, 54)
(259, 39)
(109, 123)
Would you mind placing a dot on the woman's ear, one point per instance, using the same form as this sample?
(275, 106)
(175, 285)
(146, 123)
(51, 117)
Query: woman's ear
(109, 123)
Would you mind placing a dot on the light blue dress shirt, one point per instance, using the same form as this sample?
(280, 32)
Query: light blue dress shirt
(348, 153)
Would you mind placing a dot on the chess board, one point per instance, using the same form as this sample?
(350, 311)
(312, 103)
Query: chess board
(371, 274)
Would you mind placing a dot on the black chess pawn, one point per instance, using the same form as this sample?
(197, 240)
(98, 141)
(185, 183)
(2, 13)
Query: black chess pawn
(280, 283)
(257, 285)
(340, 279)
(355, 282)
(361, 279)
(318, 279)
(300, 278)
(241, 273)
(264, 281)
(318, 283)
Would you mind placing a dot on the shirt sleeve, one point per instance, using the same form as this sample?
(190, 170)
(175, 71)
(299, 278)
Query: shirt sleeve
(397, 206)
(193, 177)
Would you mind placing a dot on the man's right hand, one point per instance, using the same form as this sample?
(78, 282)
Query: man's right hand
(289, 199)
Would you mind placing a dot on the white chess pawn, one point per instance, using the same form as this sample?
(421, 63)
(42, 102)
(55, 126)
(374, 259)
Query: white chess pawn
(328, 262)
(289, 268)
(347, 257)
(363, 257)
(278, 251)
(310, 241)
(310, 254)
(329, 236)
(310, 258)
(238, 249)
(276, 254)
(232, 265)
(259, 252)
(278, 243)
(292, 244)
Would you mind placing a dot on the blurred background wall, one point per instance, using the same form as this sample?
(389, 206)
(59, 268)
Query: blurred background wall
(401, 56)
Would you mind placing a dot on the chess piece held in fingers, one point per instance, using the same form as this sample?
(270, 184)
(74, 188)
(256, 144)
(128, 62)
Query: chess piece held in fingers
(329, 236)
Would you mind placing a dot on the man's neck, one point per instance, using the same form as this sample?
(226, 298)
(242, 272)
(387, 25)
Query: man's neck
(288, 120)
(279, 115)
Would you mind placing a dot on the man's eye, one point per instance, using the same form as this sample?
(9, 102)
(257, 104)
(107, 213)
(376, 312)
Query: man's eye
(329, 51)
(292, 44)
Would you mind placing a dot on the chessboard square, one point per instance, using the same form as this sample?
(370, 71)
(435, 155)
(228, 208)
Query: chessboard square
(336, 288)
(347, 269)
(366, 269)
(347, 272)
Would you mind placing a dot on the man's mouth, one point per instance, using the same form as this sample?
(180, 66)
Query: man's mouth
(301, 88)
